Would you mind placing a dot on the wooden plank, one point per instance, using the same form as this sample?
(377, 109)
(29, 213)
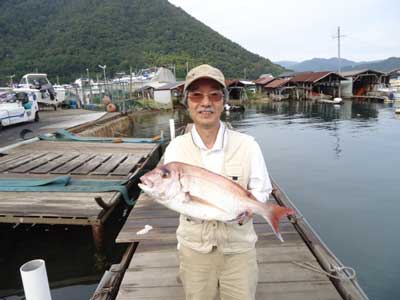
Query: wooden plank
(51, 165)
(91, 164)
(10, 157)
(127, 165)
(55, 204)
(109, 165)
(315, 290)
(20, 161)
(73, 164)
(36, 163)
(169, 258)
(88, 147)
(268, 273)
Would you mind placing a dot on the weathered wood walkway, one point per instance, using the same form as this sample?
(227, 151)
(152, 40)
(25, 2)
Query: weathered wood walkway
(152, 273)
(80, 160)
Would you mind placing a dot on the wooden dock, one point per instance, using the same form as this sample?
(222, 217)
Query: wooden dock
(152, 272)
(79, 160)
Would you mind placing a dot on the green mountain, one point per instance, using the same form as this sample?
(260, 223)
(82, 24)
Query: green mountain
(331, 64)
(65, 37)
(385, 65)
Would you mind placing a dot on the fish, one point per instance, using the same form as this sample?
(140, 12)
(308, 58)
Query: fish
(205, 195)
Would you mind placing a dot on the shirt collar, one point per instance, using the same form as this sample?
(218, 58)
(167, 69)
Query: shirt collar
(219, 142)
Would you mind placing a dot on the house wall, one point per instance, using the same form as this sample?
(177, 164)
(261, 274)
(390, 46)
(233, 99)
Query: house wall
(163, 97)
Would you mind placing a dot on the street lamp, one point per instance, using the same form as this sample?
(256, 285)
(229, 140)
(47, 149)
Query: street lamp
(104, 71)
(90, 84)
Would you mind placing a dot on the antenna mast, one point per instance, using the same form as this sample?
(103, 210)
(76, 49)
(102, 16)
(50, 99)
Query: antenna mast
(339, 60)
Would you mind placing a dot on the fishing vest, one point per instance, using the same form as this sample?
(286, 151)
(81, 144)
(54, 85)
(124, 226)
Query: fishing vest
(202, 236)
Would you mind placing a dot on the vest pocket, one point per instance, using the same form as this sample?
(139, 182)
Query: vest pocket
(234, 172)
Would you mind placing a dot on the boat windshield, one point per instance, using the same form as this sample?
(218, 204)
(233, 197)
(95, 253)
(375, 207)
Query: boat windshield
(35, 80)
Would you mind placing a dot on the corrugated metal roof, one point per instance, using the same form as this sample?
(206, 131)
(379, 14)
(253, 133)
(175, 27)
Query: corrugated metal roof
(171, 85)
(312, 77)
(358, 72)
(264, 80)
(277, 83)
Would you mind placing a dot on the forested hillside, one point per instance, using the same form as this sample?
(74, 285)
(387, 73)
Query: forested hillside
(65, 37)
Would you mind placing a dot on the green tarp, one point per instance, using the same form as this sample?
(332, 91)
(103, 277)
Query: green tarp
(65, 184)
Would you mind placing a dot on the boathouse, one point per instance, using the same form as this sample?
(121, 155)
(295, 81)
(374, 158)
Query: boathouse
(278, 89)
(262, 81)
(314, 84)
(166, 93)
(363, 81)
(237, 89)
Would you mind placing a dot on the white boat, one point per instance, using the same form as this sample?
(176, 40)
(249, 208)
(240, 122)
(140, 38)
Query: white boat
(336, 100)
(38, 85)
(17, 108)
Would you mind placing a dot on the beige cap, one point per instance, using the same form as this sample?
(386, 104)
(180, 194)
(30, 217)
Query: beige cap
(204, 71)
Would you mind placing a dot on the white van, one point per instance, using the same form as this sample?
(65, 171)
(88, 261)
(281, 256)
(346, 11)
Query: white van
(17, 108)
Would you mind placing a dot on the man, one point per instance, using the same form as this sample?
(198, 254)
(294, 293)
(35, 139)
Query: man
(215, 256)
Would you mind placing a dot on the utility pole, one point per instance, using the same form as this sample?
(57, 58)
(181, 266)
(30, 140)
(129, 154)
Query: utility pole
(338, 36)
(11, 80)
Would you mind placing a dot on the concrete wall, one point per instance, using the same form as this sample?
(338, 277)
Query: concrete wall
(120, 127)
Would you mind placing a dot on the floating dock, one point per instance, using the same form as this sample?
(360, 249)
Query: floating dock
(101, 162)
(284, 268)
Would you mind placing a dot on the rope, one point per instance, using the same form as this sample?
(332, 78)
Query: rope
(349, 275)
(102, 291)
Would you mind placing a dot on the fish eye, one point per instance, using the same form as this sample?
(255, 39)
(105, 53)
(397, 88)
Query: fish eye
(165, 173)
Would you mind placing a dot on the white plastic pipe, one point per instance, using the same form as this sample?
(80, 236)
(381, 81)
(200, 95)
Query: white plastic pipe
(172, 128)
(34, 280)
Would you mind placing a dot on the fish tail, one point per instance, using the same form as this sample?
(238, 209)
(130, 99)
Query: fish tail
(272, 213)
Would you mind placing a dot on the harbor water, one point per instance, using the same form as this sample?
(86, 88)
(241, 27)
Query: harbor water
(338, 164)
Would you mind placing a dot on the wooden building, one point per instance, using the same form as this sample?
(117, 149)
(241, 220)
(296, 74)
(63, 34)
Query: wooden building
(363, 80)
(278, 89)
(261, 82)
(314, 84)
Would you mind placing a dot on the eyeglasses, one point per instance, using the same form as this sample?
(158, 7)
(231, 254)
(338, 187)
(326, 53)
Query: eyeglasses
(213, 96)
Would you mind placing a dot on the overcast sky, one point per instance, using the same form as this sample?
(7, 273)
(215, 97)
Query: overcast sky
(299, 30)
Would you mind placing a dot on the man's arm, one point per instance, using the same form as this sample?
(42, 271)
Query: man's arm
(259, 183)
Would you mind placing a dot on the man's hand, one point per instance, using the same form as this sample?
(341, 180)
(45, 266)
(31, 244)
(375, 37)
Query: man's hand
(244, 217)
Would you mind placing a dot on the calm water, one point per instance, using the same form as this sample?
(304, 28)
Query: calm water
(339, 165)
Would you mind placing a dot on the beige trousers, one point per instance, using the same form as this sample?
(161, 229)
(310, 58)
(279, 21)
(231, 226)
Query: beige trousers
(205, 275)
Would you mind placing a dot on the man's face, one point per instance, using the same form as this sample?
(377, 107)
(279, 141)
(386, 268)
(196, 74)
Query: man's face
(205, 103)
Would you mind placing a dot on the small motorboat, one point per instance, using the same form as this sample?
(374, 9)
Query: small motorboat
(234, 108)
(336, 100)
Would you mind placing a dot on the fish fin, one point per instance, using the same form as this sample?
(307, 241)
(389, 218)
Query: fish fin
(273, 213)
(242, 218)
(203, 202)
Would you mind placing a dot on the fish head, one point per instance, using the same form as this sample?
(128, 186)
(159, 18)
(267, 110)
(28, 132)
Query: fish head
(162, 183)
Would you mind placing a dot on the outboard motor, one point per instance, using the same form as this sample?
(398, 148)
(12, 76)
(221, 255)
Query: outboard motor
(49, 88)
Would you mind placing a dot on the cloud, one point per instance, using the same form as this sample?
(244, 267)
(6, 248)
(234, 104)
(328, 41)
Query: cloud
(299, 30)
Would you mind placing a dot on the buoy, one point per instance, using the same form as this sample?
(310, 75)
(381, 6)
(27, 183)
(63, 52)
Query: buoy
(111, 107)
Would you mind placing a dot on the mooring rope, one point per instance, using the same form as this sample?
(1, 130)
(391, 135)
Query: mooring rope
(351, 275)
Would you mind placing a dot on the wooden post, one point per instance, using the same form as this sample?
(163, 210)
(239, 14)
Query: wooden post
(98, 236)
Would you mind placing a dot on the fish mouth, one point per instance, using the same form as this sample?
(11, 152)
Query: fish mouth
(147, 182)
